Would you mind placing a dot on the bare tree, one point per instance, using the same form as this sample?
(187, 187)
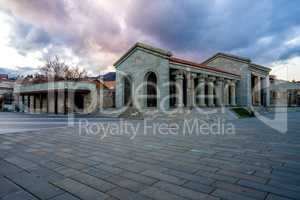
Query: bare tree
(57, 69)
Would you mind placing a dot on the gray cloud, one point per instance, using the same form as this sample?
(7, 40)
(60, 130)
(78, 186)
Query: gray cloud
(210, 26)
(197, 29)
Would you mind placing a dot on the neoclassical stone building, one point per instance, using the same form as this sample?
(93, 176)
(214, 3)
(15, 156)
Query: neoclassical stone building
(149, 77)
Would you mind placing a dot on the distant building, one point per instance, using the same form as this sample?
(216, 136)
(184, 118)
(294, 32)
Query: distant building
(284, 93)
(6, 93)
(3, 76)
(62, 97)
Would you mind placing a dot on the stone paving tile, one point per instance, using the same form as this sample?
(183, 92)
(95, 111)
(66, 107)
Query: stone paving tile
(19, 195)
(240, 190)
(22, 163)
(67, 172)
(133, 167)
(243, 176)
(35, 185)
(139, 178)
(130, 184)
(227, 195)
(158, 194)
(164, 177)
(125, 183)
(123, 194)
(93, 182)
(268, 188)
(282, 184)
(180, 167)
(256, 163)
(183, 192)
(109, 168)
(6, 168)
(196, 186)
(7, 187)
(190, 177)
(97, 173)
(276, 197)
(80, 190)
(52, 165)
(47, 174)
(219, 177)
(65, 196)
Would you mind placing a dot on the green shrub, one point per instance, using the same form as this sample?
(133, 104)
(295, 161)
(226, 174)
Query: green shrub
(243, 112)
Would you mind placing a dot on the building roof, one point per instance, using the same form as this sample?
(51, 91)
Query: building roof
(204, 65)
(110, 76)
(110, 84)
(140, 45)
(227, 55)
(33, 81)
(238, 58)
(198, 65)
(260, 67)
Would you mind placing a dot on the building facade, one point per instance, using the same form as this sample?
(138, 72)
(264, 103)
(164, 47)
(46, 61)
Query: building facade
(62, 97)
(6, 93)
(284, 93)
(152, 78)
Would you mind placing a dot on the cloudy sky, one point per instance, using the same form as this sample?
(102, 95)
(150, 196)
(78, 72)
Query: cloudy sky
(94, 33)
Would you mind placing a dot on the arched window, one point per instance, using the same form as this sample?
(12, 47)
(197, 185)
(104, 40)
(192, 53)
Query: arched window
(151, 89)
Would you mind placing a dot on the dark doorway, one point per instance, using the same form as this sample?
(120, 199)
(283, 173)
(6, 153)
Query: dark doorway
(172, 88)
(127, 91)
(252, 90)
(184, 90)
(151, 89)
(206, 93)
(79, 101)
(229, 94)
(55, 102)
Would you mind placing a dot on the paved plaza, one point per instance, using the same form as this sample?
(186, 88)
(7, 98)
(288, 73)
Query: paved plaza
(45, 159)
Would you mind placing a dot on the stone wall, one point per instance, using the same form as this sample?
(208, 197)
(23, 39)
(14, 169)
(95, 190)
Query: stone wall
(240, 68)
(137, 65)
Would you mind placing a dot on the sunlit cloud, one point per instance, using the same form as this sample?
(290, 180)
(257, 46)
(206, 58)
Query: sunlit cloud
(93, 34)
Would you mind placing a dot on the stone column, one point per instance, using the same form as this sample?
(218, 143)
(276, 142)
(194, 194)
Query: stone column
(257, 91)
(45, 103)
(179, 92)
(232, 93)
(191, 90)
(71, 102)
(41, 103)
(23, 103)
(201, 90)
(219, 91)
(51, 102)
(27, 108)
(60, 102)
(267, 90)
(211, 91)
(34, 103)
(37, 103)
(226, 93)
(31, 105)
